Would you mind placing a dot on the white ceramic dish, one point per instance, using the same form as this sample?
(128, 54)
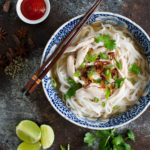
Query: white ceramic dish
(21, 16)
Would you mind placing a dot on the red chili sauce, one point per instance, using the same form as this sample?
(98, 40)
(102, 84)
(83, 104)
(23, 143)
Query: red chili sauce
(33, 9)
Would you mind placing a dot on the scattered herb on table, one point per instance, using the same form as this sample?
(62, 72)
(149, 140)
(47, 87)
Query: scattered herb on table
(63, 148)
(135, 69)
(109, 140)
(108, 43)
(72, 90)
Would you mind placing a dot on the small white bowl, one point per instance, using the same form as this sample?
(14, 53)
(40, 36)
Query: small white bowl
(24, 19)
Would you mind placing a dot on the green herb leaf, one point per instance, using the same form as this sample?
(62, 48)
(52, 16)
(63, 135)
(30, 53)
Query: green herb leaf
(89, 138)
(68, 147)
(103, 133)
(118, 64)
(107, 93)
(130, 135)
(135, 69)
(91, 72)
(102, 145)
(104, 56)
(82, 66)
(91, 58)
(108, 66)
(117, 140)
(99, 38)
(96, 99)
(103, 104)
(115, 77)
(119, 82)
(53, 82)
(62, 148)
(108, 74)
(118, 147)
(116, 107)
(126, 146)
(105, 82)
(77, 74)
(97, 80)
(71, 81)
(110, 44)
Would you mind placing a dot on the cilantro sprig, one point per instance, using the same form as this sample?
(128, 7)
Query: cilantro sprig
(135, 69)
(72, 90)
(108, 43)
(109, 140)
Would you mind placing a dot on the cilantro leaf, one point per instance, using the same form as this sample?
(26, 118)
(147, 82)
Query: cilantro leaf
(96, 99)
(119, 82)
(104, 56)
(107, 93)
(77, 74)
(130, 135)
(99, 39)
(118, 147)
(82, 66)
(71, 81)
(89, 138)
(54, 83)
(91, 58)
(126, 146)
(135, 69)
(118, 64)
(110, 44)
(103, 133)
(103, 104)
(117, 140)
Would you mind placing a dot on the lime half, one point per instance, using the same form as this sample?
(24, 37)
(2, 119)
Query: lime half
(27, 146)
(47, 137)
(28, 131)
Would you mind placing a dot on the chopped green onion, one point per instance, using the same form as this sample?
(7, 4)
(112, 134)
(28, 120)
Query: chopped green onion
(91, 58)
(108, 66)
(119, 82)
(77, 74)
(107, 93)
(96, 99)
(115, 77)
(105, 82)
(53, 82)
(135, 69)
(71, 81)
(104, 56)
(116, 107)
(91, 72)
(108, 74)
(82, 66)
(118, 64)
(103, 104)
(97, 80)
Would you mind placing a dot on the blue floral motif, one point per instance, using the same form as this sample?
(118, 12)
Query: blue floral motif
(55, 100)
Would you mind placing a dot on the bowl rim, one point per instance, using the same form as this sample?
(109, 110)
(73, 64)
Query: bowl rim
(28, 21)
(54, 34)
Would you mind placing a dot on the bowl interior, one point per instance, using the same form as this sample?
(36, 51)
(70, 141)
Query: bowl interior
(55, 100)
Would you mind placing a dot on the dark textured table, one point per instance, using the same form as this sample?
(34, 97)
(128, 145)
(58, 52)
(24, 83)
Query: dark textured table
(14, 106)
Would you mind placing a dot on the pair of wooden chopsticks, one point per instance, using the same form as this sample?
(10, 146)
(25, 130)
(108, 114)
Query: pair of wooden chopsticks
(42, 71)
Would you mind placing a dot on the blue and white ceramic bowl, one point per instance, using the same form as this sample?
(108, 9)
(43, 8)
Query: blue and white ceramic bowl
(55, 100)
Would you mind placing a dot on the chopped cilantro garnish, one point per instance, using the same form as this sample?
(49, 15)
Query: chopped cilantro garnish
(96, 99)
(72, 90)
(103, 104)
(109, 44)
(105, 82)
(107, 93)
(108, 74)
(82, 66)
(104, 56)
(91, 58)
(89, 138)
(97, 80)
(91, 72)
(118, 64)
(115, 77)
(53, 82)
(116, 107)
(119, 82)
(77, 74)
(108, 66)
(135, 69)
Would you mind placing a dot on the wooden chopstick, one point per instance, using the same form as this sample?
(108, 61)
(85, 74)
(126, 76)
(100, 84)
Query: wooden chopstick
(41, 72)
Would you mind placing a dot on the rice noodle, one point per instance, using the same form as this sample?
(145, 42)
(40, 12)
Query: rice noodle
(125, 52)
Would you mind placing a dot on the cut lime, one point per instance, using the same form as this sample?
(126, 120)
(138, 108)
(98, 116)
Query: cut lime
(47, 137)
(28, 131)
(27, 146)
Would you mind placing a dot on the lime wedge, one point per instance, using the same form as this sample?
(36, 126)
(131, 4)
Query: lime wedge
(47, 137)
(27, 146)
(28, 131)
